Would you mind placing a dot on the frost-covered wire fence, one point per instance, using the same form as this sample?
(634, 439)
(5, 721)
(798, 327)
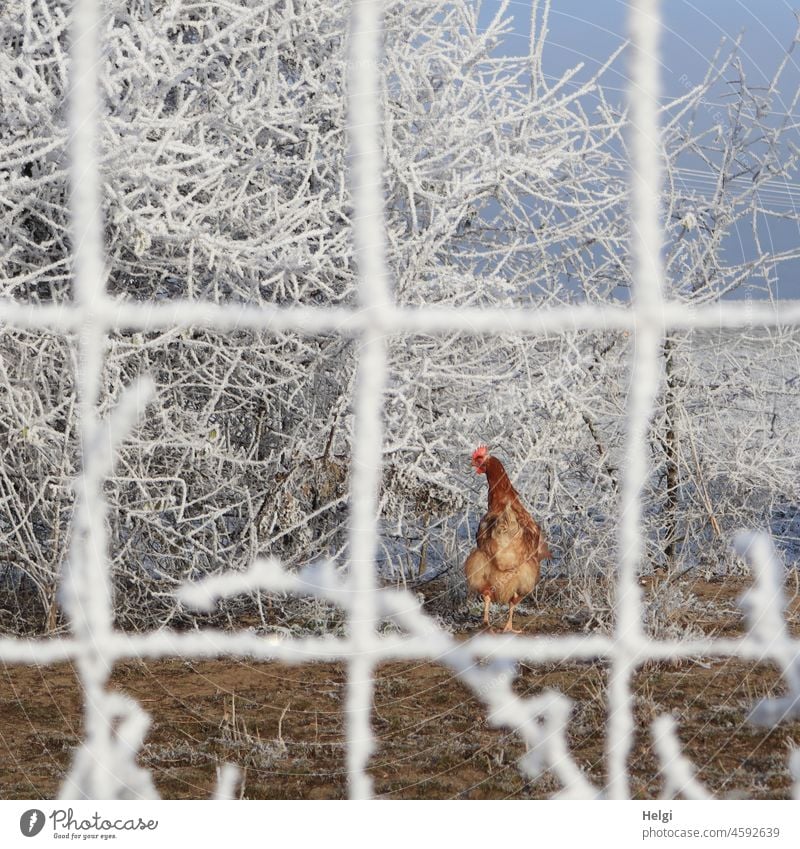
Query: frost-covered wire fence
(106, 765)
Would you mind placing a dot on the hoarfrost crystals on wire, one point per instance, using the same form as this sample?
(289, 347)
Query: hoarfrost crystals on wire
(765, 608)
(647, 306)
(364, 120)
(105, 765)
(678, 772)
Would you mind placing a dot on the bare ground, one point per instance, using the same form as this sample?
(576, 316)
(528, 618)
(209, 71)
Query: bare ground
(284, 725)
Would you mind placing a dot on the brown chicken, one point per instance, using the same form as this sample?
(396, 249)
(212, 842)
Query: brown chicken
(504, 567)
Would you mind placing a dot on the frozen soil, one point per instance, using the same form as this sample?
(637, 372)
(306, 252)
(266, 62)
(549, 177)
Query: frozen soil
(283, 725)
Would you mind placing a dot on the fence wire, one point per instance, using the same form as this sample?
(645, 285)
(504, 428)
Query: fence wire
(105, 765)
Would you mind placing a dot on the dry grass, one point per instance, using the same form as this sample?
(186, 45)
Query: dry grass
(284, 725)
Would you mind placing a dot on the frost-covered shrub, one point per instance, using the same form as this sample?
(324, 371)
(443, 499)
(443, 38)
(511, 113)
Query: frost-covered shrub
(224, 179)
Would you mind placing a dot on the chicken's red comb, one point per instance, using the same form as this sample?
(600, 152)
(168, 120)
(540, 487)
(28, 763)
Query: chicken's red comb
(480, 454)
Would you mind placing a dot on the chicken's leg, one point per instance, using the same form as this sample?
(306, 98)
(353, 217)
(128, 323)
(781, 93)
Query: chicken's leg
(486, 602)
(509, 627)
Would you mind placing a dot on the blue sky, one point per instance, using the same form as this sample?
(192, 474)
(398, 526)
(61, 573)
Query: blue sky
(588, 31)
